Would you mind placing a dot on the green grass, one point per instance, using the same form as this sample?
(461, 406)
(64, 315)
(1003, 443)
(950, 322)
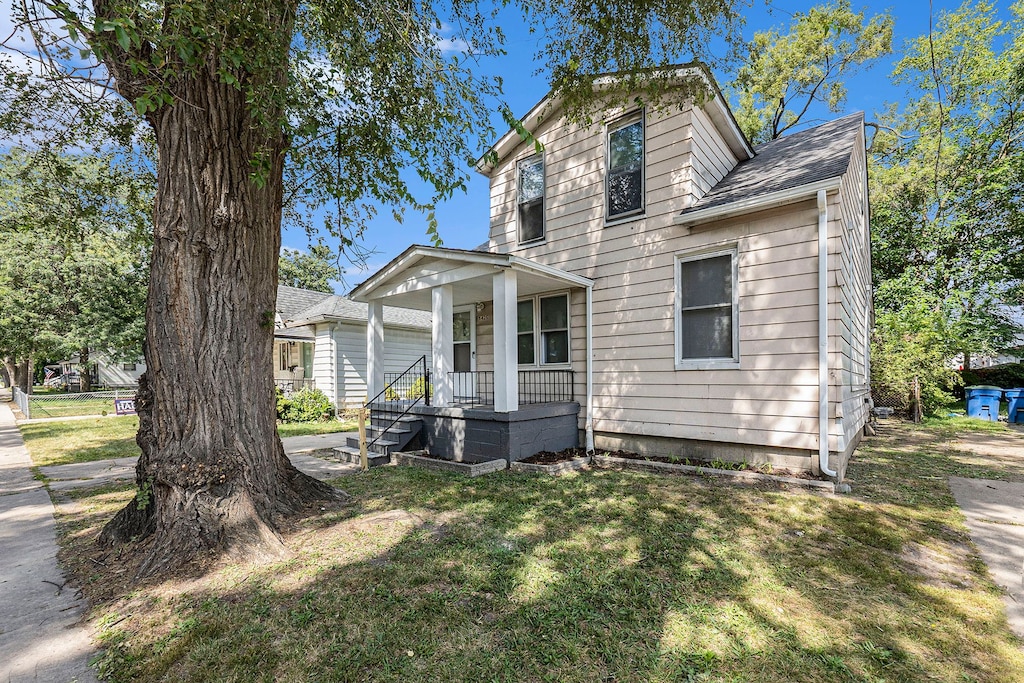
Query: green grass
(75, 441)
(52, 406)
(307, 428)
(597, 576)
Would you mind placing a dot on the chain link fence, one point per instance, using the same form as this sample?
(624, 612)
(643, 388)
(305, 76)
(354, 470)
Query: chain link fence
(35, 406)
(903, 402)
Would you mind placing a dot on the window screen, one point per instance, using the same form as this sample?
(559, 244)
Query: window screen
(706, 308)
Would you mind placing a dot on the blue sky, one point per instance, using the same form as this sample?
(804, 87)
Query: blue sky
(463, 219)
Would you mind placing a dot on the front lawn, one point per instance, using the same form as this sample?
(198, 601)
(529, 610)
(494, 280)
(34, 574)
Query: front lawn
(73, 441)
(597, 576)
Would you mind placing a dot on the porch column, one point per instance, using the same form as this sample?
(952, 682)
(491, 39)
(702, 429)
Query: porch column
(506, 357)
(442, 351)
(374, 348)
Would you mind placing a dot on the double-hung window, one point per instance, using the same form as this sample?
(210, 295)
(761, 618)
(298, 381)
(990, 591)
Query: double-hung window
(625, 169)
(707, 309)
(530, 202)
(543, 330)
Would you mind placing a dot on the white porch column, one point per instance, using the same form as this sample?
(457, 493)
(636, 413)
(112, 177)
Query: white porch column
(442, 351)
(374, 348)
(506, 356)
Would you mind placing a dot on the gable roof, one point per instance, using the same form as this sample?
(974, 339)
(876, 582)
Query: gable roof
(716, 108)
(813, 156)
(291, 300)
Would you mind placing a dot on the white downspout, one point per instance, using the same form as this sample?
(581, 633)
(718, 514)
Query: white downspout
(823, 335)
(590, 371)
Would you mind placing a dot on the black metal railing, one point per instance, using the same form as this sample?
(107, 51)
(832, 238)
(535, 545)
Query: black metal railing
(535, 386)
(402, 390)
(290, 386)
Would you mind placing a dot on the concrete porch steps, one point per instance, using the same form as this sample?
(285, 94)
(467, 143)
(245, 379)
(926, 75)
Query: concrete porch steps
(389, 439)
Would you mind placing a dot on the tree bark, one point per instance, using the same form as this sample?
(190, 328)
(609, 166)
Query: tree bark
(23, 377)
(84, 373)
(213, 475)
(7, 371)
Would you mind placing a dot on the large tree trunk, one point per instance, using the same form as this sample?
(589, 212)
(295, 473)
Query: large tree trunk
(23, 377)
(213, 475)
(7, 371)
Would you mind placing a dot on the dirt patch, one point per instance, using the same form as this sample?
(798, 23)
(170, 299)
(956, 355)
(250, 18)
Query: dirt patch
(551, 458)
(941, 567)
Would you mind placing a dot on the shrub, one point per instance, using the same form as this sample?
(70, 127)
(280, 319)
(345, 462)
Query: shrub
(308, 405)
(418, 387)
(1008, 376)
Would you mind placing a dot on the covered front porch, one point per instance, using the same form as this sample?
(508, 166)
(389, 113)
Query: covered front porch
(510, 339)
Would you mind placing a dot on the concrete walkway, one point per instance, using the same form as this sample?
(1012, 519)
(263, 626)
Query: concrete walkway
(301, 450)
(39, 636)
(40, 639)
(994, 511)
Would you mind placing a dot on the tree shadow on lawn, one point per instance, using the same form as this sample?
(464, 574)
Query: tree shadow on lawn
(596, 576)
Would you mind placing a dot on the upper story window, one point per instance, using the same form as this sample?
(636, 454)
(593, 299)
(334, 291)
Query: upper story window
(530, 202)
(707, 309)
(625, 177)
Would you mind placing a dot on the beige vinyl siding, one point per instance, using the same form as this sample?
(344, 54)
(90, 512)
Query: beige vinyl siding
(402, 347)
(852, 327)
(771, 399)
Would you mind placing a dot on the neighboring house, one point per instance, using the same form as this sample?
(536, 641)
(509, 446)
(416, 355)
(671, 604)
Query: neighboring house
(106, 372)
(651, 282)
(320, 341)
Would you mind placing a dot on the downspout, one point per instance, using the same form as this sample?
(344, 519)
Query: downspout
(589, 428)
(823, 335)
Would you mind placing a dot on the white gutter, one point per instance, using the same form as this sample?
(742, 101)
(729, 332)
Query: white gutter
(823, 335)
(765, 201)
(589, 427)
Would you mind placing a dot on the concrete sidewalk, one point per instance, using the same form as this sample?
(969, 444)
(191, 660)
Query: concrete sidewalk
(39, 636)
(994, 512)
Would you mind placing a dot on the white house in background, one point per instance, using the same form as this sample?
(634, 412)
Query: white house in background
(652, 282)
(106, 372)
(320, 340)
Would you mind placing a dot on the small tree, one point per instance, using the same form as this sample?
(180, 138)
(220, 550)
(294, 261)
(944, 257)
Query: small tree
(314, 270)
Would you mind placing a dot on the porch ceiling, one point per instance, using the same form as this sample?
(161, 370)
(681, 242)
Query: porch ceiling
(409, 278)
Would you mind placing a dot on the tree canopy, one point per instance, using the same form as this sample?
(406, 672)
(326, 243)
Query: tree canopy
(784, 74)
(947, 180)
(314, 270)
(74, 266)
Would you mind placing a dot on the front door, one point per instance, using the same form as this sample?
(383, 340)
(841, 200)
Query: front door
(464, 353)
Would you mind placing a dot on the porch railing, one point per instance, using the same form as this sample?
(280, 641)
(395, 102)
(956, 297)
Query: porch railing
(535, 386)
(402, 390)
(290, 386)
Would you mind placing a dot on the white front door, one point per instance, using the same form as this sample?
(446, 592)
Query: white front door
(464, 352)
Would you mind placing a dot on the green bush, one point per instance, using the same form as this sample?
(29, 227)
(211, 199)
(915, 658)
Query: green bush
(418, 387)
(1008, 376)
(308, 405)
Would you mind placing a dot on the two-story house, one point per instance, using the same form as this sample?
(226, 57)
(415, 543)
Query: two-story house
(651, 282)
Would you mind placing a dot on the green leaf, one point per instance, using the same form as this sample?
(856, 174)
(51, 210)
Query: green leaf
(122, 37)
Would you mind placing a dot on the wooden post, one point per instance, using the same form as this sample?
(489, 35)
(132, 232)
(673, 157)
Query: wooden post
(918, 410)
(362, 440)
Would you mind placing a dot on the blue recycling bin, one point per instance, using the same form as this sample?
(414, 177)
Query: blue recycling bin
(983, 402)
(1015, 397)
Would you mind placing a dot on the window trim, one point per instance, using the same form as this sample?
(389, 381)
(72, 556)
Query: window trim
(611, 127)
(527, 161)
(732, 251)
(538, 355)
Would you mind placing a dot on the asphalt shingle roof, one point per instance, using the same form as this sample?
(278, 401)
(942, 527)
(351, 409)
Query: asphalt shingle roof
(338, 307)
(799, 159)
(291, 300)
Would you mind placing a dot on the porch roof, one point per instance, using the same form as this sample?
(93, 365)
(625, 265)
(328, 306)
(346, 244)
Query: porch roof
(408, 279)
